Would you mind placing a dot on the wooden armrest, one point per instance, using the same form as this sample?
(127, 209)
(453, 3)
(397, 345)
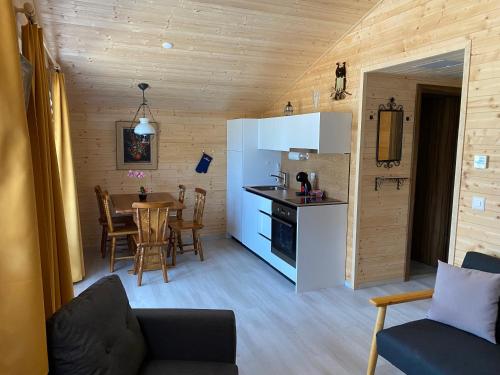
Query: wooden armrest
(402, 298)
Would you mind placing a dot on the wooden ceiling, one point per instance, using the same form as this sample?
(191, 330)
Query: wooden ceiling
(228, 55)
(448, 65)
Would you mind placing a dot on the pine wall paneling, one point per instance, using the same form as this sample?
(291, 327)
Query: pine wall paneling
(399, 30)
(182, 138)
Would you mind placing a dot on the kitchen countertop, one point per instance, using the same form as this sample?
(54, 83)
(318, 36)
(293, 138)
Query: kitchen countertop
(289, 197)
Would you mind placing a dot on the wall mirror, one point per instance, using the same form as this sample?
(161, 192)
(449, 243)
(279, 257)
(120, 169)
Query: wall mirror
(389, 134)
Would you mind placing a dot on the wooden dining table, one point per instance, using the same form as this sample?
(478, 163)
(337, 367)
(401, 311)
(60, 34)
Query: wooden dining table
(122, 204)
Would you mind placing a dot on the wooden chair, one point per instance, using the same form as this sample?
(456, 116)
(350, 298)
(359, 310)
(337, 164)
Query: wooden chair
(178, 213)
(152, 221)
(103, 221)
(114, 232)
(176, 228)
(182, 194)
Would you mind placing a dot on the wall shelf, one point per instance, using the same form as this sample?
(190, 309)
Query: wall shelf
(399, 181)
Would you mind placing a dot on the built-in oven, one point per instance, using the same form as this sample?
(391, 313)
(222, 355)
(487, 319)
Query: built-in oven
(284, 232)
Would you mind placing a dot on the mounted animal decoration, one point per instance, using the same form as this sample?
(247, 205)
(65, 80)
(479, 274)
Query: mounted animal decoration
(339, 91)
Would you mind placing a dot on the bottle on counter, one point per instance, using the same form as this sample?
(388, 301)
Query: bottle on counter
(313, 180)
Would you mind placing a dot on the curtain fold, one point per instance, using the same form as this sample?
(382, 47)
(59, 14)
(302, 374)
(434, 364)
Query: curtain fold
(54, 254)
(62, 135)
(22, 323)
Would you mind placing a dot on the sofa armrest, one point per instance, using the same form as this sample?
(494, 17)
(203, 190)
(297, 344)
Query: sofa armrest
(402, 298)
(188, 334)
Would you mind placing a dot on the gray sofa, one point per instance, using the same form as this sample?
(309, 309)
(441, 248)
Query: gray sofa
(426, 347)
(98, 333)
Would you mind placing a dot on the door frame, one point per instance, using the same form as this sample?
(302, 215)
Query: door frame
(423, 89)
(405, 57)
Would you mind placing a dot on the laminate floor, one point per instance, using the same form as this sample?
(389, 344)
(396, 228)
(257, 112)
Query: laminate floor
(279, 332)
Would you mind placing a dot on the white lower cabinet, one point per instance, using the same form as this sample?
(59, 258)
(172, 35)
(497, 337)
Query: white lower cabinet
(321, 241)
(256, 232)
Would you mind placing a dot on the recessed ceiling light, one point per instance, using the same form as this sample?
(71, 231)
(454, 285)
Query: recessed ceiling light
(167, 45)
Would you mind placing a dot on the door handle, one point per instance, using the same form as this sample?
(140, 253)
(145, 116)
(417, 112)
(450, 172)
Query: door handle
(282, 222)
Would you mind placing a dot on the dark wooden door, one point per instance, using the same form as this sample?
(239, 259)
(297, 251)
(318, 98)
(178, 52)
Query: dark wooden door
(435, 172)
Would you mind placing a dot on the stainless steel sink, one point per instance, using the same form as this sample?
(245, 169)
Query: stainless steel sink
(268, 188)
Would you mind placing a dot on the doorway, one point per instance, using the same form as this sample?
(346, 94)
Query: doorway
(436, 134)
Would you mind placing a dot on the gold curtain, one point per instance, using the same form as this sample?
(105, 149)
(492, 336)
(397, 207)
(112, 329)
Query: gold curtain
(56, 270)
(62, 137)
(22, 324)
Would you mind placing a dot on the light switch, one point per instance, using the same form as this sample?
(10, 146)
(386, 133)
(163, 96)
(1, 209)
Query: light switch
(478, 203)
(480, 161)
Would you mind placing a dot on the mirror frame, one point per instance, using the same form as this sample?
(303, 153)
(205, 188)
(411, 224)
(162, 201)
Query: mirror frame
(389, 107)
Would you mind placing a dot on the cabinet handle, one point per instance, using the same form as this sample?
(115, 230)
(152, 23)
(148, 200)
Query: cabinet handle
(265, 237)
(265, 213)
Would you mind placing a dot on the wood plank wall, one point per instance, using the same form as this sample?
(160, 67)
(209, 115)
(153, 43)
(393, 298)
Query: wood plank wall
(182, 138)
(398, 29)
(383, 218)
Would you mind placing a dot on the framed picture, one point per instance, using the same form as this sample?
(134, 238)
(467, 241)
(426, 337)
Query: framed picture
(135, 151)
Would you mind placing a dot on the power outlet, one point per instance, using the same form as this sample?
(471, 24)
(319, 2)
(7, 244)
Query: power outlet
(478, 203)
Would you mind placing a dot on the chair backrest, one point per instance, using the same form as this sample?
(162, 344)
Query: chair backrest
(199, 205)
(481, 262)
(152, 222)
(182, 194)
(106, 200)
(100, 204)
(485, 263)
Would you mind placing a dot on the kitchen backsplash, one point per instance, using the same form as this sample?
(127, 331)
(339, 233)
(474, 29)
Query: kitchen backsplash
(332, 172)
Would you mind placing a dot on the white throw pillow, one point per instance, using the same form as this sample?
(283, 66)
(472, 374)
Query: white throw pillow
(466, 299)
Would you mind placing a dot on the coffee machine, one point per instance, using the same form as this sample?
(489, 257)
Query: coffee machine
(305, 185)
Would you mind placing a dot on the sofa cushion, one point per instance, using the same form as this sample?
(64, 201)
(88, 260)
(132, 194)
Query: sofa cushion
(160, 367)
(427, 347)
(466, 299)
(96, 333)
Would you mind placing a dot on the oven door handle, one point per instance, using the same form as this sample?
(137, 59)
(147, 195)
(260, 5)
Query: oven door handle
(281, 221)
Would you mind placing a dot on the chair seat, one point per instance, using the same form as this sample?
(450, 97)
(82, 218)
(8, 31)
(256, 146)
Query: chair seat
(162, 367)
(119, 220)
(178, 225)
(425, 347)
(125, 230)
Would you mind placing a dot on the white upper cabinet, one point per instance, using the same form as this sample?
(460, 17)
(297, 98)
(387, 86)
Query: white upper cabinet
(271, 134)
(326, 132)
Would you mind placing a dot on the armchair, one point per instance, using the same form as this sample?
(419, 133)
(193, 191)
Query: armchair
(426, 347)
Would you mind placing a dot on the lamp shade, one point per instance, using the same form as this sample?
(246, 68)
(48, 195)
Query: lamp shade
(144, 127)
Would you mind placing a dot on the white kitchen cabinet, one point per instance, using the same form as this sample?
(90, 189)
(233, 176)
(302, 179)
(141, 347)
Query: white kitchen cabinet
(252, 224)
(325, 132)
(234, 191)
(271, 134)
(264, 224)
(246, 166)
(257, 227)
(235, 135)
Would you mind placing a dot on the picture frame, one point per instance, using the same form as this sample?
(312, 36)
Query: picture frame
(134, 151)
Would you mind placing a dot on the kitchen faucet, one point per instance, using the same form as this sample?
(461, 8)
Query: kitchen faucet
(281, 178)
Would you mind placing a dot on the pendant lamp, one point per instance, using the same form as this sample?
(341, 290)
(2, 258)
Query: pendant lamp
(143, 127)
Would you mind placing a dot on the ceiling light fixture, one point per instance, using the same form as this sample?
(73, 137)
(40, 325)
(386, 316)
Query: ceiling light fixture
(167, 45)
(143, 128)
